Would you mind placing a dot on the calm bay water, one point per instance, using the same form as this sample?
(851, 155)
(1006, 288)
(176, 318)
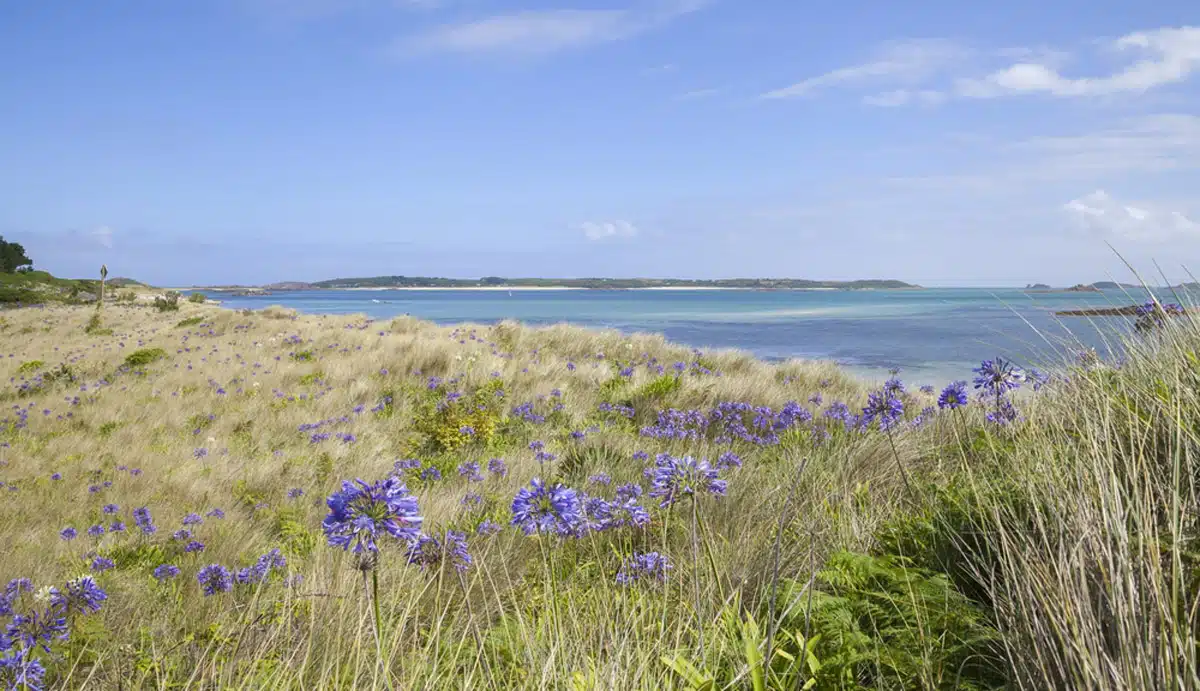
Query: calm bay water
(930, 334)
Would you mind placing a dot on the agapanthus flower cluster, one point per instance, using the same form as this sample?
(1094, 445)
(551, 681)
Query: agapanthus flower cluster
(271, 561)
(142, 519)
(360, 512)
(997, 377)
(644, 566)
(214, 579)
(953, 396)
(428, 551)
(164, 572)
(674, 478)
(546, 509)
(883, 408)
(80, 596)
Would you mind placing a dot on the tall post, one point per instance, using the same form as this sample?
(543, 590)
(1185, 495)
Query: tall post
(103, 276)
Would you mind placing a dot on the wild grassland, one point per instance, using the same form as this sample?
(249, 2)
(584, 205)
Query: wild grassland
(1056, 550)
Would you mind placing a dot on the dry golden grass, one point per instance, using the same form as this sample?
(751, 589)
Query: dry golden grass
(1071, 530)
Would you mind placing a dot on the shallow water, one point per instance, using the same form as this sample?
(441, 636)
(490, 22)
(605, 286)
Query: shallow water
(930, 334)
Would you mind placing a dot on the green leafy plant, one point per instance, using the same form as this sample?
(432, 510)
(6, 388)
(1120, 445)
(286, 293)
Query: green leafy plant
(144, 356)
(167, 302)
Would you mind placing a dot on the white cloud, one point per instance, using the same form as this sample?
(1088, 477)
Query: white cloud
(1099, 213)
(546, 31)
(1167, 56)
(901, 61)
(608, 229)
(901, 97)
(103, 236)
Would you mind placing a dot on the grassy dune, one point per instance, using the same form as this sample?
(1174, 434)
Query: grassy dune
(945, 551)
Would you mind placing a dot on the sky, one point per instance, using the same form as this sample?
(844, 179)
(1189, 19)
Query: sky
(937, 142)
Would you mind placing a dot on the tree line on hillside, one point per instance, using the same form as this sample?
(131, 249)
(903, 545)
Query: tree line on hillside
(13, 257)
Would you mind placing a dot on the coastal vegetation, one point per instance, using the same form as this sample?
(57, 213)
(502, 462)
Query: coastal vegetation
(204, 498)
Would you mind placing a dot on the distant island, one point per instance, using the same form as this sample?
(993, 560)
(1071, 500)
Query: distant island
(497, 282)
(1096, 287)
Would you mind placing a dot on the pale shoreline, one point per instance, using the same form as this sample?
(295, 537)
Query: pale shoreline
(266, 291)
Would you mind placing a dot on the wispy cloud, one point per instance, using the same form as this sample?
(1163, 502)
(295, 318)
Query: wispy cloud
(903, 97)
(1166, 56)
(697, 94)
(1147, 144)
(606, 230)
(1100, 213)
(548, 31)
(910, 61)
(932, 71)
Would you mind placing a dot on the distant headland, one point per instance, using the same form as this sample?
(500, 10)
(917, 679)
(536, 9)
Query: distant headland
(498, 283)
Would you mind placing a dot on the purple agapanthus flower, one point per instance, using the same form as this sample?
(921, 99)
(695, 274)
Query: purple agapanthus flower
(68, 533)
(96, 530)
(630, 490)
(677, 477)
(542, 509)
(644, 566)
(214, 579)
(193, 546)
(626, 514)
(359, 512)
(427, 551)
(165, 571)
(82, 595)
(38, 628)
(953, 396)
(470, 470)
(884, 408)
(295, 493)
(272, 560)
(997, 377)
(728, 459)
(496, 466)
(192, 519)
(111, 508)
(20, 671)
(100, 564)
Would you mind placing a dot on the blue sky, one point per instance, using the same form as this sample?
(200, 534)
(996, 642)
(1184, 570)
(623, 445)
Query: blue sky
(937, 142)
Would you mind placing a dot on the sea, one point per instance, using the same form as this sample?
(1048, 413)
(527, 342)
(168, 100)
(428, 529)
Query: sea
(930, 335)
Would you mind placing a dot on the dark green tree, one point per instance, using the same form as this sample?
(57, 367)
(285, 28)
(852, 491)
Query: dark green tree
(12, 256)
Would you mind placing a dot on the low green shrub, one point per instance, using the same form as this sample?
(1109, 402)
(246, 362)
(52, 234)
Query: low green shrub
(190, 321)
(197, 298)
(145, 356)
(167, 302)
(446, 425)
(30, 366)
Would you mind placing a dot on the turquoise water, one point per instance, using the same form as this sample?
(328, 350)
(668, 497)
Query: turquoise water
(936, 334)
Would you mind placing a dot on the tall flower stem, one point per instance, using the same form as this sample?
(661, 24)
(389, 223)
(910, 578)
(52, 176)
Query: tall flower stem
(896, 455)
(374, 596)
(551, 578)
(696, 577)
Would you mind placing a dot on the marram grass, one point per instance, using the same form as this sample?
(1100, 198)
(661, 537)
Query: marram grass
(699, 520)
